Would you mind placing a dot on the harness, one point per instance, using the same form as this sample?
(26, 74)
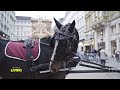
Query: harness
(70, 48)
(29, 44)
(69, 51)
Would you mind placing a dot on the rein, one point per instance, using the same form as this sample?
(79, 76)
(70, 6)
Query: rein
(63, 34)
(45, 43)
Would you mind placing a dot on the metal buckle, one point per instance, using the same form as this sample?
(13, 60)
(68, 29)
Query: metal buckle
(33, 68)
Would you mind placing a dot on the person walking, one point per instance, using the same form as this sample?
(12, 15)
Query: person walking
(94, 55)
(117, 56)
(103, 56)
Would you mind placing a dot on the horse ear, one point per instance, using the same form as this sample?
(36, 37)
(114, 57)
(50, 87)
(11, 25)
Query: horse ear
(71, 28)
(58, 24)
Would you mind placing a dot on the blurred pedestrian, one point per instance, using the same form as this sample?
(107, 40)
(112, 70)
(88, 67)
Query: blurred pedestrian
(117, 53)
(99, 52)
(94, 51)
(103, 56)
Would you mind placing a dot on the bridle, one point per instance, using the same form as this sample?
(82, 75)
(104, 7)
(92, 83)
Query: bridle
(70, 38)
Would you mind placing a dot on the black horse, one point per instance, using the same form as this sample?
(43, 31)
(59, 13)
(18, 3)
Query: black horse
(56, 55)
(65, 42)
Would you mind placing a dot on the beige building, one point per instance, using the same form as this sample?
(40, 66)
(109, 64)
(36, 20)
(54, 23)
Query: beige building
(79, 17)
(107, 30)
(96, 29)
(41, 28)
(114, 31)
(89, 42)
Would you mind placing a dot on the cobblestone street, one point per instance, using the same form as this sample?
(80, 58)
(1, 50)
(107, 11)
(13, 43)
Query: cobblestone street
(111, 62)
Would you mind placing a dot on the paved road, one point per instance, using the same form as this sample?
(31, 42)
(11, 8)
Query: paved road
(110, 62)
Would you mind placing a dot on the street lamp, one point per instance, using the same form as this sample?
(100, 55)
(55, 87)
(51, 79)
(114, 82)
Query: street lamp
(102, 38)
(91, 37)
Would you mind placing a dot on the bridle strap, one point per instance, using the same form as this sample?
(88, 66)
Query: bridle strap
(63, 34)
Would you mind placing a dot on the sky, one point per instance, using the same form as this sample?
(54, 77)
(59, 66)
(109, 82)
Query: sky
(47, 14)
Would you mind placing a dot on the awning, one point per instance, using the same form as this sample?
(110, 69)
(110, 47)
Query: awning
(87, 43)
(81, 44)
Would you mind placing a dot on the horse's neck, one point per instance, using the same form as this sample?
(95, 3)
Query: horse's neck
(45, 40)
(3, 42)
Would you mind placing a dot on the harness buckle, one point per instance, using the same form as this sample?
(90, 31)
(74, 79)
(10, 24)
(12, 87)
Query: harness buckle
(34, 68)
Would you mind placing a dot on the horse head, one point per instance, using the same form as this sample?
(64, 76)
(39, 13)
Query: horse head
(64, 43)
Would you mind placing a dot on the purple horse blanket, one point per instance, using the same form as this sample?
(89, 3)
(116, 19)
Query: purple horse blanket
(15, 50)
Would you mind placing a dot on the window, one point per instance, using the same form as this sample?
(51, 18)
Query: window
(25, 27)
(48, 29)
(87, 25)
(17, 32)
(104, 13)
(7, 22)
(96, 15)
(100, 13)
(90, 21)
(113, 28)
(26, 33)
(119, 26)
(86, 36)
(0, 25)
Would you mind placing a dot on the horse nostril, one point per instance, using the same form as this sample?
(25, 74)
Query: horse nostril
(54, 70)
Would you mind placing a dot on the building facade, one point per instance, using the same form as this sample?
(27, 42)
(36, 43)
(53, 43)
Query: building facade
(41, 28)
(79, 17)
(7, 24)
(23, 27)
(113, 26)
(107, 31)
(96, 29)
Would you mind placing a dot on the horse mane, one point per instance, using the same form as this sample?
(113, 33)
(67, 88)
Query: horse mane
(46, 39)
(2, 39)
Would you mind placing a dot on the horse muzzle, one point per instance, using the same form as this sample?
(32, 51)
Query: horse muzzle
(55, 66)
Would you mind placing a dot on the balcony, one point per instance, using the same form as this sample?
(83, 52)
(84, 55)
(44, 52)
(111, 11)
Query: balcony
(82, 40)
(98, 26)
